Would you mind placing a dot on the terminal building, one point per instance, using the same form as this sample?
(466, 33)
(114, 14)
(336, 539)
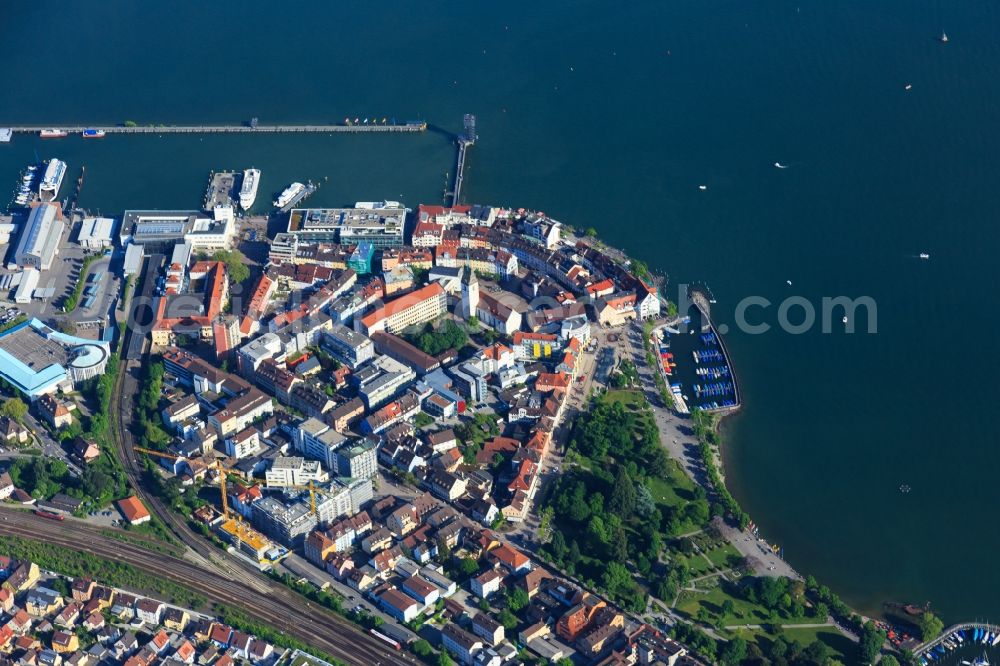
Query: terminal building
(379, 223)
(39, 243)
(162, 229)
(38, 360)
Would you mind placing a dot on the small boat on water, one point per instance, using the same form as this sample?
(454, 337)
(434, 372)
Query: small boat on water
(779, 165)
(982, 661)
(944, 40)
(93, 134)
(52, 133)
(924, 255)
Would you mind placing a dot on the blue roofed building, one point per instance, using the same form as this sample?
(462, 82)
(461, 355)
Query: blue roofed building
(37, 359)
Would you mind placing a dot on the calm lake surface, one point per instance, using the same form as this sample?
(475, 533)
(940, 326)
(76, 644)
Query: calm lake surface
(611, 115)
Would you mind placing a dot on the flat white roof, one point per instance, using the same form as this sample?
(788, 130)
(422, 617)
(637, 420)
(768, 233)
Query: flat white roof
(96, 228)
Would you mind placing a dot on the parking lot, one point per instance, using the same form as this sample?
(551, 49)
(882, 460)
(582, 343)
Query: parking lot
(61, 278)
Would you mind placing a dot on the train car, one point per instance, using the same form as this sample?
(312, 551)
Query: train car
(385, 639)
(50, 516)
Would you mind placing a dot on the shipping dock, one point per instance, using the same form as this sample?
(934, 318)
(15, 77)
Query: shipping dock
(221, 186)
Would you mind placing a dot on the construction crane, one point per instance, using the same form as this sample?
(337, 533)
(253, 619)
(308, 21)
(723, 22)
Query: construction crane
(221, 469)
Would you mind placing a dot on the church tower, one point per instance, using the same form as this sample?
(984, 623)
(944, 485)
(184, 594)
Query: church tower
(470, 293)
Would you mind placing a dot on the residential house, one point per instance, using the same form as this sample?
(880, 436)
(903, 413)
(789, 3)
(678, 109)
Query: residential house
(149, 611)
(175, 619)
(487, 628)
(12, 433)
(7, 487)
(82, 589)
(42, 601)
(65, 642)
(486, 584)
(56, 412)
(510, 559)
(460, 643)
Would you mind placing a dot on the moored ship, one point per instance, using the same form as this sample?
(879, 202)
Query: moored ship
(52, 180)
(93, 134)
(289, 194)
(51, 133)
(248, 190)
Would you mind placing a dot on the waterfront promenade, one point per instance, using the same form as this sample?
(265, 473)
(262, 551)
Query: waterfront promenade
(229, 129)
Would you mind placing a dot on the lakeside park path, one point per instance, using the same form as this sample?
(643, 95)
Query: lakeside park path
(677, 436)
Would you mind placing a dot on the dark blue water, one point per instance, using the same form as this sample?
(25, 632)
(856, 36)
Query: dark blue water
(610, 115)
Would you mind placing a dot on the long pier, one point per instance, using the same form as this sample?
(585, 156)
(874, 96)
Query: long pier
(228, 129)
(465, 141)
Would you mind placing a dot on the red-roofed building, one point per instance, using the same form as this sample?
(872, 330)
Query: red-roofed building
(191, 313)
(616, 310)
(510, 558)
(547, 381)
(133, 510)
(417, 307)
(602, 288)
(258, 305)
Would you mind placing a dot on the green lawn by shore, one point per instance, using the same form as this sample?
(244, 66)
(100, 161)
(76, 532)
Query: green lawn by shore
(843, 649)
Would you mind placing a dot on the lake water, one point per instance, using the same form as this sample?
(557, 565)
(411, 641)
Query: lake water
(611, 115)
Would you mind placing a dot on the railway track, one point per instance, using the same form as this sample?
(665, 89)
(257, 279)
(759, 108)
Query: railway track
(339, 637)
(278, 606)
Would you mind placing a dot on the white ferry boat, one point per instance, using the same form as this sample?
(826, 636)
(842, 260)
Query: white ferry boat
(52, 133)
(5, 134)
(52, 180)
(289, 194)
(248, 190)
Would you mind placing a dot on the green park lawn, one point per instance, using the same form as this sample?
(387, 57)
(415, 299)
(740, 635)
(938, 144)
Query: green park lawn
(845, 651)
(711, 596)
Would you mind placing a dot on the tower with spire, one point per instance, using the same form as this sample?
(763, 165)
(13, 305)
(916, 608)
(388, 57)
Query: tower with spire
(470, 293)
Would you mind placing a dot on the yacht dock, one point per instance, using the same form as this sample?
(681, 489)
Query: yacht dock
(983, 634)
(717, 352)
